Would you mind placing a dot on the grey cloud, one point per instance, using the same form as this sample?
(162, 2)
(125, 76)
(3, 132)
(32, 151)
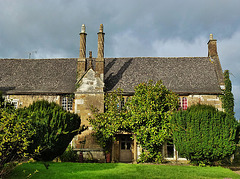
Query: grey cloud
(133, 28)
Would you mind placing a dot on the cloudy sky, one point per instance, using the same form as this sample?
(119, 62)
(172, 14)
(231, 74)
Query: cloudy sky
(133, 28)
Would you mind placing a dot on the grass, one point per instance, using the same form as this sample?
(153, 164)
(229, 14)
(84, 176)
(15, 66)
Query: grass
(117, 170)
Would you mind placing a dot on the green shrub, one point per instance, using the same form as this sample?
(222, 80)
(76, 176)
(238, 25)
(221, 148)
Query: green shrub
(13, 139)
(146, 114)
(149, 110)
(227, 97)
(146, 157)
(69, 155)
(204, 135)
(54, 128)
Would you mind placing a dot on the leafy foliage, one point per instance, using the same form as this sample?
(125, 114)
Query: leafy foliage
(149, 116)
(107, 124)
(227, 97)
(54, 128)
(5, 104)
(145, 114)
(204, 135)
(13, 137)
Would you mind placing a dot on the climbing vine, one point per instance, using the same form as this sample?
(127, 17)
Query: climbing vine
(203, 134)
(146, 114)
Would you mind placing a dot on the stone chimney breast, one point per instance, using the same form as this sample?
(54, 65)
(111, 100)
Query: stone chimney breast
(100, 55)
(81, 67)
(212, 47)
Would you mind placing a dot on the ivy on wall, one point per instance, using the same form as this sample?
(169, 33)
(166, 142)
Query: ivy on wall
(146, 114)
(202, 134)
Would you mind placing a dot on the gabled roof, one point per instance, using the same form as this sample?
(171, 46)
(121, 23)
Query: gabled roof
(192, 75)
(180, 74)
(38, 75)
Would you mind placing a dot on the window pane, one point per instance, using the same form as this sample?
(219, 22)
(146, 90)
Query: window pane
(69, 104)
(170, 151)
(128, 146)
(15, 104)
(64, 103)
(123, 145)
(184, 103)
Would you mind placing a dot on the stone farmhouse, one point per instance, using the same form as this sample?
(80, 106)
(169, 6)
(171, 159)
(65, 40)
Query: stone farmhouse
(79, 83)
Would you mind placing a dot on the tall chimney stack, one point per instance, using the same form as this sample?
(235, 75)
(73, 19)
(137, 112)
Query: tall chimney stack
(81, 67)
(100, 56)
(212, 47)
(213, 55)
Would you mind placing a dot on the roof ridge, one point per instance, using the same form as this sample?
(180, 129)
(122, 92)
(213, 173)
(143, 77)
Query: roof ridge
(38, 58)
(153, 57)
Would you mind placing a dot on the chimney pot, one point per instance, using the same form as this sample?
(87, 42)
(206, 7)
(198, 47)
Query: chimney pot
(90, 60)
(212, 47)
(83, 29)
(90, 54)
(211, 37)
(101, 28)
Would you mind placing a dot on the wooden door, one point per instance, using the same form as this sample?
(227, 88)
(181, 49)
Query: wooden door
(126, 148)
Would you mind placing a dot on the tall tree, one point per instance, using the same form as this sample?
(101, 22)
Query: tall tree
(149, 117)
(227, 97)
(146, 114)
(112, 120)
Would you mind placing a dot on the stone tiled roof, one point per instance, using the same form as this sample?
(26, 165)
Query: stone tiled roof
(38, 75)
(181, 75)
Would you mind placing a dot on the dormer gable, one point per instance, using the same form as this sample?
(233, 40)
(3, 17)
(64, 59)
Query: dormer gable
(90, 83)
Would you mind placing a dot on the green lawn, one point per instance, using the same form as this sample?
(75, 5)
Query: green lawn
(117, 170)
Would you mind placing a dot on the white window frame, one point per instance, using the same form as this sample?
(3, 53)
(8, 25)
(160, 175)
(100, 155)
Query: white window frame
(175, 154)
(67, 103)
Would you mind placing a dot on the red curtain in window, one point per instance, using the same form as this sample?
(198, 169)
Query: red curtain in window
(184, 103)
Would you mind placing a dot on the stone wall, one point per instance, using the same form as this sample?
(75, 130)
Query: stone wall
(26, 100)
(213, 100)
(89, 95)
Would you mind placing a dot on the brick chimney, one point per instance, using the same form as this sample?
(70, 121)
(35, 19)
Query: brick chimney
(212, 47)
(81, 66)
(100, 56)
